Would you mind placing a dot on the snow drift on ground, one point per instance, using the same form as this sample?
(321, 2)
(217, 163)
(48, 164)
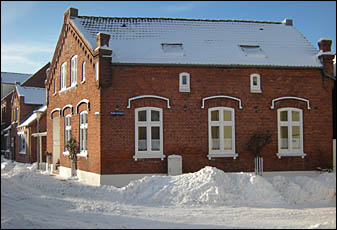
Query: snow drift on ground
(23, 187)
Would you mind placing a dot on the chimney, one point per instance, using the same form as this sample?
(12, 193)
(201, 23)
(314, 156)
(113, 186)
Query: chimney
(325, 55)
(71, 12)
(102, 39)
(287, 22)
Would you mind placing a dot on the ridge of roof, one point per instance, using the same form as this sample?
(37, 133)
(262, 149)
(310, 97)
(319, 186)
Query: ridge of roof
(180, 19)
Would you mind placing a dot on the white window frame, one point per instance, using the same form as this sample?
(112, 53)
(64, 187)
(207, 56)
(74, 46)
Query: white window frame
(67, 133)
(83, 152)
(255, 88)
(96, 70)
(290, 151)
(73, 71)
(83, 72)
(55, 84)
(221, 123)
(149, 153)
(184, 87)
(22, 143)
(63, 76)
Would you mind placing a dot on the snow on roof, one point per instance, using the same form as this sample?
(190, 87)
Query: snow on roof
(9, 77)
(205, 42)
(33, 116)
(32, 95)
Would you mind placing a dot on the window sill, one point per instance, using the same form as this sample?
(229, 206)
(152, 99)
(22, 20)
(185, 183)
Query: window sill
(22, 153)
(279, 155)
(184, 90)
(65, 153)
(83, 154)
(148, 155)
(67, 89)
(214, 155)
(255, 91)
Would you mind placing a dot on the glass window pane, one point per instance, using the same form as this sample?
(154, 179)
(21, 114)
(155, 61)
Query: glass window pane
(255, 81)
(215, 115)
(154, 115)
(155, 138)
(85, 139)
(184, 80)
(295, 115)
(284, 137)
(142, 115)
(227, 115)
(284, 116)
(227, 137)
(215, 134)
(142, 143)
(296, 138)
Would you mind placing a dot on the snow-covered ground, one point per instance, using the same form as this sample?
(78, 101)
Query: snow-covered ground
(208, 198)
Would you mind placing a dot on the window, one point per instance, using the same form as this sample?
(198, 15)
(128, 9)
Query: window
(22, 143)
(172, 47)
(73, 72)
(255, 84)
(83, 133)
(290, 132)
(96, 67)
(63, 75)
(83, 71)
(55, 86)
(67, 131)
(148, 133)
(184, 82)
(253, 51)
(221, 132)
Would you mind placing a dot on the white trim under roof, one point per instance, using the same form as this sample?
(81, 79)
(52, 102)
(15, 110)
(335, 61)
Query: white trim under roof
(148, 96)
(219, 96)
(289, 97)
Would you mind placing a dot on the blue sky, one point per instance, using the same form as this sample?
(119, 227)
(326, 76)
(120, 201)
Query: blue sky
(30, 29)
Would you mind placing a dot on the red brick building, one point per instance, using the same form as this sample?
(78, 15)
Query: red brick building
(134, 91)
(24, 108)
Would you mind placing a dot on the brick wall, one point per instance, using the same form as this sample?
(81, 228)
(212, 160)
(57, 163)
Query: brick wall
(38, 78)
(186, 132)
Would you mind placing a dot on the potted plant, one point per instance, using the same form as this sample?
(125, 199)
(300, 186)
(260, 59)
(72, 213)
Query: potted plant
(72, 148)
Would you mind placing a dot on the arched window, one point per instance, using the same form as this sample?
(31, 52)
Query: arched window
(67, 131)
(255, 83)
(73, 72)
(83, 133)
(184, 82)
(83, 72)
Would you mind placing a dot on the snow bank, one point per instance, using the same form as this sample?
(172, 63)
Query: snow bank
(212, 186)
(209, 186)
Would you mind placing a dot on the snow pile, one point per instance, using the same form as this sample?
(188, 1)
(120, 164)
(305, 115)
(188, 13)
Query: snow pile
(212, 186)
(208, 186)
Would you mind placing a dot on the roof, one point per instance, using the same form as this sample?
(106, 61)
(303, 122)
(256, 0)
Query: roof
(200, 42)
(9, 77)
(32, 95)
(33, 116)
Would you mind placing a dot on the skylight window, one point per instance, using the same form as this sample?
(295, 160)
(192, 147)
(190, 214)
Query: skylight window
(253, 51)
(172, 47)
